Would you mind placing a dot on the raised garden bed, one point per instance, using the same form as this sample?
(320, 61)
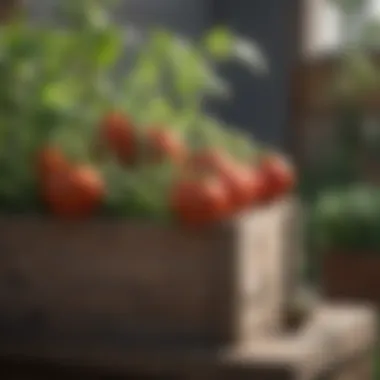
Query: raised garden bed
(157, 224)
(132, 284)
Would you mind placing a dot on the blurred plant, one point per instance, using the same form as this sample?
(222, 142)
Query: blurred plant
(173, 77)
(348, 5)
(341, 213)
(357, 79)
(347, 220)
(357, 74)
(353, 93)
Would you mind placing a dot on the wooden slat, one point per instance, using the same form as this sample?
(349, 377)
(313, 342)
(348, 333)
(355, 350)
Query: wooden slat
(137, 284)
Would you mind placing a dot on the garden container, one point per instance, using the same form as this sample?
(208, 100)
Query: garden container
(137, 284)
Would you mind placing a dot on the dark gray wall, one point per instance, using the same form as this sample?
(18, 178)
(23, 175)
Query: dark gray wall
(260, 105)
(189, 17)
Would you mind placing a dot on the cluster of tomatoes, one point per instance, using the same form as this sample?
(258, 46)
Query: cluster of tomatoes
(211, 186)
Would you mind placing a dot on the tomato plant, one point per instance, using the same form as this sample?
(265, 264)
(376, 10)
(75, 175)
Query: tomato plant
(104, 132)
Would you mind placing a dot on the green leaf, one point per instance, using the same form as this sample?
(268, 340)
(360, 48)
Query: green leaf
(147, 75)
(86, 14)
(223, 45)
(193, 74)
(158, 110)
(59, 95)
(57, 53)
(219, 43)
(109, 48)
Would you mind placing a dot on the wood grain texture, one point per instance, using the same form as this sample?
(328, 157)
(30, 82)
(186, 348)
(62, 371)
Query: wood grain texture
(134, 284)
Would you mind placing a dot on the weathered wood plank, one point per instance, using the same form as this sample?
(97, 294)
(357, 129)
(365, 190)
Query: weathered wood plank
(135, 284)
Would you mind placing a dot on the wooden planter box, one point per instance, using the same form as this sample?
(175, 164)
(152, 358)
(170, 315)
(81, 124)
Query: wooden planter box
(130, 284)
(351, 276)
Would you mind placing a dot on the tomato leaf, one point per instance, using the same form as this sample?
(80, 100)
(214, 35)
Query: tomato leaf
(223, 45)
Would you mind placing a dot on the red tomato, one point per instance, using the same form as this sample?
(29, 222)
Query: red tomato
(119, 135)
(162, 144)
(74, 193)
(239, 183)
(199, 201)
(279, 176)
(242, 186)
(50, 159)
(259, 186)
(209, 161)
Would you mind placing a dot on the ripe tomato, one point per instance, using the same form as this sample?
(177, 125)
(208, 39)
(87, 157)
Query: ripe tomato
(74, 193)
(279, 176)
(237, 178)
(198, 201)
(259, 186)
(119, 136)
(163, 144)
(239, 183)
(208, 161)
(50, 159)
